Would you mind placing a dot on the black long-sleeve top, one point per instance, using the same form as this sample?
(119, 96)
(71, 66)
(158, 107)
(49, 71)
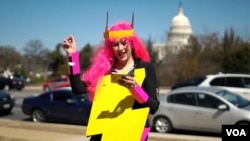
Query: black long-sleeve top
(149, 85)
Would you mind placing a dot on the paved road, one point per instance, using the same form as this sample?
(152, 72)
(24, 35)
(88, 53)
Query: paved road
(11, 130)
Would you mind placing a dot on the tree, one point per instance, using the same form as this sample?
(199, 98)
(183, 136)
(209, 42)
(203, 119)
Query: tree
(237, 60)
(85, 55)
(9, 58)
(153, 54)
(230, 40)
(210, 42)
(33, 48)
(236, 53)
(194, 47)
(210, 53)
(35, 52)
(186, 65)
(187, 62)
(57, 63)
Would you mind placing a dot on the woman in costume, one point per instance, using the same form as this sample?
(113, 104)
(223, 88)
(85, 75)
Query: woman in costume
(133, 95)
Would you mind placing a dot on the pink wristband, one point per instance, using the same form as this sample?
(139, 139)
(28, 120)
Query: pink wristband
(74, 66)
(139, 94)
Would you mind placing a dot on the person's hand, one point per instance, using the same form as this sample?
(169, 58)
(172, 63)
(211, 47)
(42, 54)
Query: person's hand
(69, 44)
(128, 81)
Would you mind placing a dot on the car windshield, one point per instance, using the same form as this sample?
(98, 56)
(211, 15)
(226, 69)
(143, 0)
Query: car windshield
(233, 98)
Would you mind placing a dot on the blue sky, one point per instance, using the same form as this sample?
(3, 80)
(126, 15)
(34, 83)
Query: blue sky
(50, 21)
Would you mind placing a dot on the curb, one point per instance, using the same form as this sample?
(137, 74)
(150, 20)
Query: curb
(162, 90)
(35, 87)
(80, 130)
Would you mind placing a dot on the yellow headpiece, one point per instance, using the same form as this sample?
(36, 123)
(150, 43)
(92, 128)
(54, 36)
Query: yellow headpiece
(119, 33)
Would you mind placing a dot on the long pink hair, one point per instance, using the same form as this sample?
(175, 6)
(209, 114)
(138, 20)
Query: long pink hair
(104, 59)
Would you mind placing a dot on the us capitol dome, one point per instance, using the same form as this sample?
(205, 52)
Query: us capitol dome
(178, 35)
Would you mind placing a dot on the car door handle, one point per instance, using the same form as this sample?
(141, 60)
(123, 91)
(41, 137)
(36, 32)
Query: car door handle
(170, 108)
(198, 112)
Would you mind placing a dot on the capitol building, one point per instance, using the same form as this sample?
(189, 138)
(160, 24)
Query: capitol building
(178, 35)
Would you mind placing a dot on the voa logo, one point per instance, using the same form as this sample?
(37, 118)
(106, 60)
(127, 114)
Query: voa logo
(236, 132)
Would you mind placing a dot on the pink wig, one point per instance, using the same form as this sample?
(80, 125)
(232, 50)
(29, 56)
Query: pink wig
(103, 61)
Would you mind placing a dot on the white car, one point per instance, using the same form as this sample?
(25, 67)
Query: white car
(238, 83)
(198, 108)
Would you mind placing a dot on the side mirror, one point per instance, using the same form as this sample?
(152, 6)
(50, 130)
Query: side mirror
(223, 107)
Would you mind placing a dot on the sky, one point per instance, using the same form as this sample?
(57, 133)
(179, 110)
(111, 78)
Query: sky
(50, 21)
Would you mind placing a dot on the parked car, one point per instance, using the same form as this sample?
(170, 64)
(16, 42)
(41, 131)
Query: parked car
(7, 102)
(61, 85)
(203, 109)
(62, 81)
(17, 83)
(11, 82)
(238, 83)
(60, 105)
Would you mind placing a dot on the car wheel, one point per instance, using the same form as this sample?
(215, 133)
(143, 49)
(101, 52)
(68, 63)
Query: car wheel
(162, 125)
(243, 123)
(38, 116)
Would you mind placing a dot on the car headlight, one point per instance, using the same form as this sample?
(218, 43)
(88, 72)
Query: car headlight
(12, 97)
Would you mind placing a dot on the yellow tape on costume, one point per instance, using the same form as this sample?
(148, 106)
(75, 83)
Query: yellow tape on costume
(112, 114)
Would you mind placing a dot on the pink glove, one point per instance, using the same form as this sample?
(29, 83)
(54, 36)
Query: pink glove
(139, 94)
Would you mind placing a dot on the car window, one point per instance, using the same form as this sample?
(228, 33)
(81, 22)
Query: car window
(182, 98)
(234, 82)
(218, 82)
(233, 98)
(45, 96)
(246, 82)
(238, 82)
(61, 96)
(208, 101)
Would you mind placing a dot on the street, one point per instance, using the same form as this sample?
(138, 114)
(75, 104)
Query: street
(17, 114)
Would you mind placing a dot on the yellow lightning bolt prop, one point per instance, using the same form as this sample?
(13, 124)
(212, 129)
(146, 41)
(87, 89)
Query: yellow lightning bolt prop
(112, 114)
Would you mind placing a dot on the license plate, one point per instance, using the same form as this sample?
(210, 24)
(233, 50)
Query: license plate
(6, 106)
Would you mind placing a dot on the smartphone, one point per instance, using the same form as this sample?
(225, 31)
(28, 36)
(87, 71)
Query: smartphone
(115, 77)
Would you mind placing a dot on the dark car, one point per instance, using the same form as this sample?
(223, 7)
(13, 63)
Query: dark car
(60, 105)
(11, 82)
(7, 102)
(3, 82)
(16, 83)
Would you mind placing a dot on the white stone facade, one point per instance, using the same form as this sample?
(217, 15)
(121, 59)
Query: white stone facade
(178, 35)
